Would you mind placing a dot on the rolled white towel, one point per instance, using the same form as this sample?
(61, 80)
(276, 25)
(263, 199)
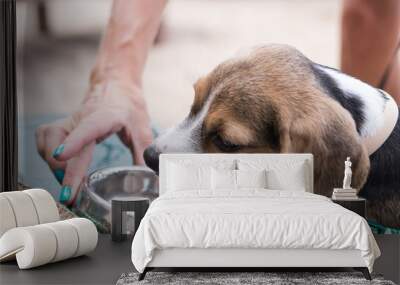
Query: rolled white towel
(40, 244)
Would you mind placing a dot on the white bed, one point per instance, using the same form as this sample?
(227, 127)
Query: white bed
(195, 224)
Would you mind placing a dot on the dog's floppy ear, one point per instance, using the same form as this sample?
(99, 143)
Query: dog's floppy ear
(330, 134)
(201, 89)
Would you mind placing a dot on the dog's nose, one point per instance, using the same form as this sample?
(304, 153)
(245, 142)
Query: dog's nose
(150, 156)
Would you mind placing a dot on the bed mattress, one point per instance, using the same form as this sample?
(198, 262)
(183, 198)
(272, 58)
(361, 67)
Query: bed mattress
(250, 219)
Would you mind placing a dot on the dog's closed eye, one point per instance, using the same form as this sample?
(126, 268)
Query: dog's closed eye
(223, 144)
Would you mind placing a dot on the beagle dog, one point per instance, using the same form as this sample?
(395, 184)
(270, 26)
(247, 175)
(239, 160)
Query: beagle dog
(275, 100)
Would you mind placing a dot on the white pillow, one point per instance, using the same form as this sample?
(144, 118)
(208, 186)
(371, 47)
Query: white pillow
(181, 177)
(251, 178)
(223, 179)
(281, 175)
(292, 179)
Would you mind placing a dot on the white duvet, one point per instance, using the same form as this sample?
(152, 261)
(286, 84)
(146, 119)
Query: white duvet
(250, 219)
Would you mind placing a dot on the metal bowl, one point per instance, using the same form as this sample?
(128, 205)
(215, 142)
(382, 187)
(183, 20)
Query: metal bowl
(106, 184)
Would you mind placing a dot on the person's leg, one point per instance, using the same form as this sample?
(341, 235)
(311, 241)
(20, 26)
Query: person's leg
(370, 35)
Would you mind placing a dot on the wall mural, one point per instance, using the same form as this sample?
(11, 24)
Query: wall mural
(110, 91)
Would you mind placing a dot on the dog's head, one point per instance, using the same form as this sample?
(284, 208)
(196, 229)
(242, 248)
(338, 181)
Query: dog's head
(268, 101)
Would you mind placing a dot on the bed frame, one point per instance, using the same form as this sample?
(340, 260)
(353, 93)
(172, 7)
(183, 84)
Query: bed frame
(236, 259)
(260, 259)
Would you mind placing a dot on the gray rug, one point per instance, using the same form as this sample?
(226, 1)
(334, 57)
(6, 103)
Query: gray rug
(230, 278)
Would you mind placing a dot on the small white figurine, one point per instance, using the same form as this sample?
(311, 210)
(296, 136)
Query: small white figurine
(347, 174)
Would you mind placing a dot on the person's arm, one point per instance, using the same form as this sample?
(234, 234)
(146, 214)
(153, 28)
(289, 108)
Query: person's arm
(370, 35)
(131, 30)
(113, 103)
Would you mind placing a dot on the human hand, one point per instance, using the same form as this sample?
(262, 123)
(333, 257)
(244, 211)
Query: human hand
(67, 145)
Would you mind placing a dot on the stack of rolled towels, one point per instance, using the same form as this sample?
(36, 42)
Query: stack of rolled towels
(31, 231)
(344, 194)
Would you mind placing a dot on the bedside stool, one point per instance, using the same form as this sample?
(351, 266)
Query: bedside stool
(357, 205)
(123, 225)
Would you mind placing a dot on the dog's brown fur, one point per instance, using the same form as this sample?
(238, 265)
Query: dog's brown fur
(270, 101)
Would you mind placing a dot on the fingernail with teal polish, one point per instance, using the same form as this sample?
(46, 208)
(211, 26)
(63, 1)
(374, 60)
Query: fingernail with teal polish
(65, 194)
(59, 174)
(58, 150)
